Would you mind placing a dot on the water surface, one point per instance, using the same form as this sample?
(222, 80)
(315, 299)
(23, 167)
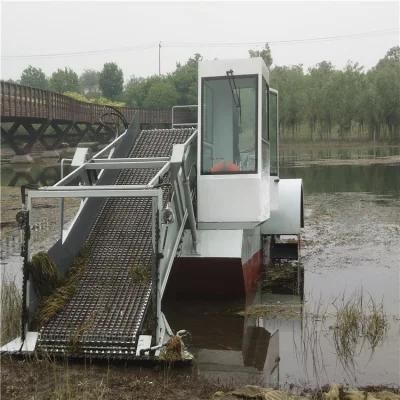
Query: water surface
(350, 250)
(350, 247)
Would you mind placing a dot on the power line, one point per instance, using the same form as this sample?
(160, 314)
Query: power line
(207, 44)
(274, 42)
(87, 52)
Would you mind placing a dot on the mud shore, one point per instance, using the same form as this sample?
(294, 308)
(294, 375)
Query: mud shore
(44, 379)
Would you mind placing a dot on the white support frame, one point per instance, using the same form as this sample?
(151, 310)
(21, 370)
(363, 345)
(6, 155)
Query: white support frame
(100, 191)
(179, 202)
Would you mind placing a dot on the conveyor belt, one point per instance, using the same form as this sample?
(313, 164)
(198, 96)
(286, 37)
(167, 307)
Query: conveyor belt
(107, 311)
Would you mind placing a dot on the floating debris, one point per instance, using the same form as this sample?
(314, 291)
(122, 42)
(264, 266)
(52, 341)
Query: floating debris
(336, 392)
(175, 349)
(256, 392)
(274, 310)
(284, 278)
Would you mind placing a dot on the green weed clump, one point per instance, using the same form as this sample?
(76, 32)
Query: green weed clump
(140, 273)
(55, 302)
(375, 324)
(44, 274)
(11, 306)
(348, 328)
(357, 323)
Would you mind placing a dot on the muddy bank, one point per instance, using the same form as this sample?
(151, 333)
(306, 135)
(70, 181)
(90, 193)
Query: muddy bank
(23, 379)
(45, 379)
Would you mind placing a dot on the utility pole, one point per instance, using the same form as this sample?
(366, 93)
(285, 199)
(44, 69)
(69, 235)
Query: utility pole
(159, 58)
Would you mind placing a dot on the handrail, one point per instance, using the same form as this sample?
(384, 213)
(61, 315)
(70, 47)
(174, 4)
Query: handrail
(28, 102)
(182, 124)
(78, 170)
(190, 139)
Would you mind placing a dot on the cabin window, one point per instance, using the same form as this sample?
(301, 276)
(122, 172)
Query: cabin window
(229, 125)
(273, 133)
(265, 110)
(265, 135)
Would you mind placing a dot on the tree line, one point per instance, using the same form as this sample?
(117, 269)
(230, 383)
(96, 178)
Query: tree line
(318, 103)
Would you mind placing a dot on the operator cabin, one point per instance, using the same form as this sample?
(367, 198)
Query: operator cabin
(237, 150)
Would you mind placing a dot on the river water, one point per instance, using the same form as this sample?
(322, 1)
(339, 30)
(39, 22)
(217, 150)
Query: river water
(350, 251)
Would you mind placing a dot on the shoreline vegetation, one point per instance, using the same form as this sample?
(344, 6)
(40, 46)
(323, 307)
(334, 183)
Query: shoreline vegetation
(35, 378)
(318, 103)
(63, 379)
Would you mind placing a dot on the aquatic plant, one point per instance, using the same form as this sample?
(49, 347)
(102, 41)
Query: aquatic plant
(375, 323)
(44, 274)
(52, 305)
(75, 338)
(140, 273)
(356, 323)
(348, 328)
(11, 305)
(308, 347)
(55, 302)
(173, 350)
(274, 311)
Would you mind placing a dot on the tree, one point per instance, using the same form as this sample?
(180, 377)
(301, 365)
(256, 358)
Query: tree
(65, 80)
(319, 104)
(347, 94)
(111, 80)
(162, 94)
(265, 54)
(386, 77)
(290, 83)
(393, 54)
(136, 90)
(89, 83)
(34, 77)
(185, 80)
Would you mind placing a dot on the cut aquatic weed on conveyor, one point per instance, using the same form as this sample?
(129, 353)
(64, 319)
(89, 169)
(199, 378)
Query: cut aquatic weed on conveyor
(44, 274)
(62, 293)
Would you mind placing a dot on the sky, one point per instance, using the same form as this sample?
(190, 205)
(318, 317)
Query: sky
(44, 34)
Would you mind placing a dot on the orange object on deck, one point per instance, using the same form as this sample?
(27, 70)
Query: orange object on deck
(224, 166)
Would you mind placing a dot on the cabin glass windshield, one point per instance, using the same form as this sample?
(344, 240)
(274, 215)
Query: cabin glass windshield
(229, 125)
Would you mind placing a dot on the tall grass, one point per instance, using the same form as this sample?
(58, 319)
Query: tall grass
(357, 322)
(11, 305)
(356, 325)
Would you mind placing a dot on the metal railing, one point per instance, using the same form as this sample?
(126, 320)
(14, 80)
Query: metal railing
(27, 102)
(184, 116)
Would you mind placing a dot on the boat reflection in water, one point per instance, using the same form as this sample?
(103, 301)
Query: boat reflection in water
(238, 344)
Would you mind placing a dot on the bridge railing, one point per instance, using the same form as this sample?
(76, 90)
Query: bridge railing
(23, 101)
(18, 101)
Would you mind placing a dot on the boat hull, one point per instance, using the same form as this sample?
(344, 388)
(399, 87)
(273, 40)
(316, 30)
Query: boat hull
(195, 277)
(228, 265)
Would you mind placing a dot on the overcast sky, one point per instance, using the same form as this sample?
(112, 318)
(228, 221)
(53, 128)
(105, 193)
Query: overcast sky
(128, 33)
